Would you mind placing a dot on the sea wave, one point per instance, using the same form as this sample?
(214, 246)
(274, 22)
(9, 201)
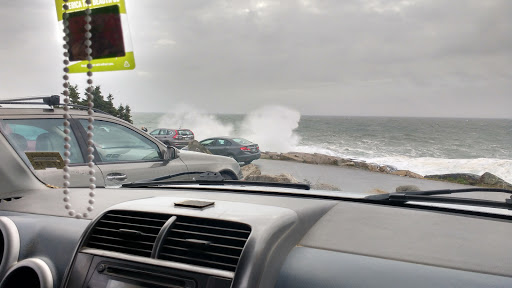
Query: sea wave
(427, 165)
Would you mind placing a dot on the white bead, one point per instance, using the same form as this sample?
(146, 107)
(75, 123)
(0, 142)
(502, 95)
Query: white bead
(66, 175)
(65, 108)
(66, 199)
(65, 169)
(90, 208)
(85, 215)
(66, 123)
(91, 201)
(90, 143)
(90, 120)
(65, 191)
(66, 161)
(92, 187)
(90, 164)
(90, 112)
(78, 216)
(66, 138)
(66, 153)
(92, 179)
(90, 150)
(65, 184)
(90, 127)
(67, 206)
(92, 194)
(71, 212)
(67, 146)
(90, 157)
(66, 131)
(91, 172)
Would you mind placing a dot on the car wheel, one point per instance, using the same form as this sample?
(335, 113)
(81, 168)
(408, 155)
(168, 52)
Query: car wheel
(227, 176)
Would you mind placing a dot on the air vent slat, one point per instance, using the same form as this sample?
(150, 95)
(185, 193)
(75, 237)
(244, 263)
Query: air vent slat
(194, 261)
(208, 235)
(205, 253)
(205, 242)
(243, 232)
(235, 249)
(129, 232)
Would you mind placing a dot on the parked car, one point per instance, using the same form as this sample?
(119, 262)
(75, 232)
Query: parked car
(123, 153)
(178, 138)
(240, 149)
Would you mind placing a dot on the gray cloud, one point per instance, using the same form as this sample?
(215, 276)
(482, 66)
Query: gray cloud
(405, 58)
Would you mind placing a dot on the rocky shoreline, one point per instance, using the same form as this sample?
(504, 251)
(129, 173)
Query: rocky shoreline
(485, 180)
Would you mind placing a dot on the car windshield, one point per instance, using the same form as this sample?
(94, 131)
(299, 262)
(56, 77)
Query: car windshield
(367, 97)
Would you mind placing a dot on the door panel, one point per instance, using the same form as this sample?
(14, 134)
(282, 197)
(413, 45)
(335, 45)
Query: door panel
(124, 155)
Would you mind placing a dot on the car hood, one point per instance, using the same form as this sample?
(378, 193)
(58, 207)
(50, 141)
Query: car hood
(197, 161)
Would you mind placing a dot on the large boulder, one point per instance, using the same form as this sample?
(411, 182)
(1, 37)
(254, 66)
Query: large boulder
(460, 178)
(489, 179)
(407, 173)
(194, 145)
(249, 170)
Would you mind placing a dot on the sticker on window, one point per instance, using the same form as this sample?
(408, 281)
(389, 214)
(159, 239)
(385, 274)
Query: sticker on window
(43, 160)
(111, 47)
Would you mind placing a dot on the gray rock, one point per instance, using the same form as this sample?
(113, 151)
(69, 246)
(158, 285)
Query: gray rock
(460, 178)
(407, 188)
(249, 170)
(493, 180)
(281, 178)
(194, 145)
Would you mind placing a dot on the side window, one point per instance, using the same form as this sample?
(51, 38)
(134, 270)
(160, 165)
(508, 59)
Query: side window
(116, 143)
(221, 142)
(40, 135)
(155, 132)
(209, 142)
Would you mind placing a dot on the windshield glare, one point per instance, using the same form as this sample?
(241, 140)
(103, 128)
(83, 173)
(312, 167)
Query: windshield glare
(366, 97)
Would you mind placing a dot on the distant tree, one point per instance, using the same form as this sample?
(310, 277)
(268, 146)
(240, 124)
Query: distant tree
(127, 114)
(106, 105)
(74, 95)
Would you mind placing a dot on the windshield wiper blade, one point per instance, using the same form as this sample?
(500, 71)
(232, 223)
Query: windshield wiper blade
(210, 178)
(428, 196)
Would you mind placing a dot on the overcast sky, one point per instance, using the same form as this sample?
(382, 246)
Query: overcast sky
(350, 57)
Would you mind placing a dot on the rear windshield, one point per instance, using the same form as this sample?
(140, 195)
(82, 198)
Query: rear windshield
(185, 132)
(242, 141)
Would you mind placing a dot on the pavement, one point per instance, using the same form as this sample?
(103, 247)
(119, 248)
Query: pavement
(348, 179)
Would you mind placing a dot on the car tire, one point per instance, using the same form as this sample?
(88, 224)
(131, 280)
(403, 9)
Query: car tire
(227, 176)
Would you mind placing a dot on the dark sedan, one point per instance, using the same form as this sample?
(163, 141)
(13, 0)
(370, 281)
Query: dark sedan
(240, 149)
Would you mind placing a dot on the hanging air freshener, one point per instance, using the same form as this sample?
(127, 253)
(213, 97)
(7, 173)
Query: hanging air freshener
(111, 48)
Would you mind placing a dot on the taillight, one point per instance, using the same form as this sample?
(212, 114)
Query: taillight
(245, 148)
(175, 134)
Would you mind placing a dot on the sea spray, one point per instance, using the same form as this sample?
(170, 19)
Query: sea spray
(204, 125)
(272, 127)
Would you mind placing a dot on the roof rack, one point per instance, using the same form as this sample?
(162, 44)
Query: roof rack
(53, 100)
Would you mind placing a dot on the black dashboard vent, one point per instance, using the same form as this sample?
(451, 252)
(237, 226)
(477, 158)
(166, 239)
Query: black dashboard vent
(127, 232)
(205, 242)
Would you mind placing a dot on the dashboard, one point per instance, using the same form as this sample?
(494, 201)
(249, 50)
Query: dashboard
(207, 237)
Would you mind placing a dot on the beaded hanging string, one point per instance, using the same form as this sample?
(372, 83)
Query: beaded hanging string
(90, 112)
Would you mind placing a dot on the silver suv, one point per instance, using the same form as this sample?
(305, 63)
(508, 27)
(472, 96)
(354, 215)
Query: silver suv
(178, 138)
(122, 153)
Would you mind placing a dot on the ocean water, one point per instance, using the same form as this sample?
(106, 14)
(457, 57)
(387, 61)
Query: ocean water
(422, 145)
